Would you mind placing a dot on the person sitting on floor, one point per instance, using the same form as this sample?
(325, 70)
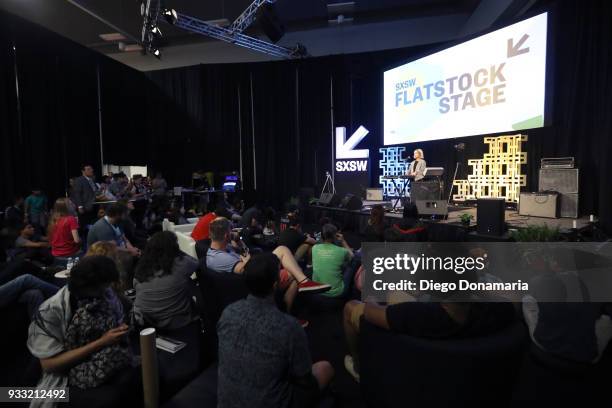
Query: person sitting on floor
(63, 231)
(293, 238)
(54, 334)
(329, 259)
(279, 372)
(222, 257)
(434, 318)
(162, 283)
(29, 246)
(26, 289)
(201, 231)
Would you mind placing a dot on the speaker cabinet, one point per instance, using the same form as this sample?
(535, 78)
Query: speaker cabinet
(269, 22)
(351, 202)
(559, 180)
(329, 199)
(568, 206)
(424, 190)
(539, 205)
(490, 215)
(433, 207)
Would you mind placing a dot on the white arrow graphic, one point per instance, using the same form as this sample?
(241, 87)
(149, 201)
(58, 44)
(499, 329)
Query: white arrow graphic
(344, 148)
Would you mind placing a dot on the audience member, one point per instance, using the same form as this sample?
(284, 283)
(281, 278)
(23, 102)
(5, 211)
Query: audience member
(119, 185)
(26, 289)
(427, 319)
(279, 372)
(29, 246)
(108, 228)
(222, 257)
(63, 231)
(35, 207)
(159, 185)
(78, 334)
(299, 244)
(201, 230)
(162, 283)
(329, 261)
(137, 189)
(251, 217)
(84, 196)
(375, 230)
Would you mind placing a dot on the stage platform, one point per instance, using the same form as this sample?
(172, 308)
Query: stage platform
(449, 229)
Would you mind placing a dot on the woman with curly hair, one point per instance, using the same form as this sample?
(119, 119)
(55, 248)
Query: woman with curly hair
(162, 284)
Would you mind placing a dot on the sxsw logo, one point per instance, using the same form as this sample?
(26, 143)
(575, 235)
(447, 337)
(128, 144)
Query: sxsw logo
(345, 149)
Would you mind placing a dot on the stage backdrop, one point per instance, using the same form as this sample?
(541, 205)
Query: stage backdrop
(275, 120)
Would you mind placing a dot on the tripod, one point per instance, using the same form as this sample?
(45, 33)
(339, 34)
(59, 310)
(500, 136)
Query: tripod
(329, 184)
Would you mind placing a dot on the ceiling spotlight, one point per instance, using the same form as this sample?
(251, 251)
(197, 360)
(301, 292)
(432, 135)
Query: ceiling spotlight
(156, 32)
(170, 15)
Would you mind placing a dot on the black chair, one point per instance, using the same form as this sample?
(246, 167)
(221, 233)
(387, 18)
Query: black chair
(399, 370)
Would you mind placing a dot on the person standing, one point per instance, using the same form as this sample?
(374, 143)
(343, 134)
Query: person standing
(36, 210)
(417, 166)
(84, 196)
(63, 230)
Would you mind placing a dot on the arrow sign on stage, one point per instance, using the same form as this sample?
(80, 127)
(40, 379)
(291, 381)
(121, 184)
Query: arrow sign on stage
(514, 50)
(344, 148)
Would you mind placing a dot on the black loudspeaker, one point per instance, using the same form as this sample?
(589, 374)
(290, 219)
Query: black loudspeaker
(329, 199)
(269, 23)
(424, 190)
(490, 215)
(351, 202)
(432, 207)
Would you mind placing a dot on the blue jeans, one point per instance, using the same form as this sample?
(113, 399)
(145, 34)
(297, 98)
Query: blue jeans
(26, 289)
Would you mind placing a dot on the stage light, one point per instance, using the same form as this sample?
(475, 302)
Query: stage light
(156, 32)
(156, 52)
(170, 15)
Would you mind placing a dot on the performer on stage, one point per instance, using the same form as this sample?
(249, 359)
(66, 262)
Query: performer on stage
(418, 165)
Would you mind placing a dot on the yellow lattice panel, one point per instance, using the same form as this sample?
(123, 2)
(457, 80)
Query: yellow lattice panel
(498, 173)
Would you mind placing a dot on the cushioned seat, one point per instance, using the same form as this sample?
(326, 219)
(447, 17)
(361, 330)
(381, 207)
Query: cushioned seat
(201, 392)
(399, 370)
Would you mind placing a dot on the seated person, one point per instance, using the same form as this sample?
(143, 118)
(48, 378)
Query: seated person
(108, 228)
(201, 230)
(26, 289)
(329, 260)
(279, 372)
(118, 187)
(292, 237)
(427, 319)
(35, 208)
(29, 246)
(162, 283)
(375, 230)
(52, 333)
(63, 230)
(222, 257)
(251, 217)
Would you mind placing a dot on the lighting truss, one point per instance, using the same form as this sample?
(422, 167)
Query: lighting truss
(226, 34)
(248, 15)
(152, 12)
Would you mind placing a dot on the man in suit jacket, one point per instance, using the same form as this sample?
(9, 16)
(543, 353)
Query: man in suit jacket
(84, 195)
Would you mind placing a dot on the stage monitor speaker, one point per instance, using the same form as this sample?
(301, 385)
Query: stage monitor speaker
(269, 22)
(351, 202)
(559, 180)
(568, 206)
(329, 199)
(539, 205)
(424, 190)
(490, 215)
(433, 207)
(374, 194)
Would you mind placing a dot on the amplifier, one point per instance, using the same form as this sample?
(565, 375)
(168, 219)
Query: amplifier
(539, 204)
(425, 190)
(559, 180)
(568, 207)
(374, 194)
(433, 207)
(557, 163)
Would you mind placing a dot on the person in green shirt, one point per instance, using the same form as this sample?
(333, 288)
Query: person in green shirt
(329, 259)
(36, 210)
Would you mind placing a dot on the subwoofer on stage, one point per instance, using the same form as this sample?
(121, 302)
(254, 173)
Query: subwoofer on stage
(565, 182)
(490, 215)
(425, 190)
(329, 199)
(539, 205)
(351, 202)
(432, 207)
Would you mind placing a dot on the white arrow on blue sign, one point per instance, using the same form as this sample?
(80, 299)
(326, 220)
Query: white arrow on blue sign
(345, 149)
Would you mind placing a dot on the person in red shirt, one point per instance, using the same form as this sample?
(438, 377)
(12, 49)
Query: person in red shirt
(63, 230)
(201, 230)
